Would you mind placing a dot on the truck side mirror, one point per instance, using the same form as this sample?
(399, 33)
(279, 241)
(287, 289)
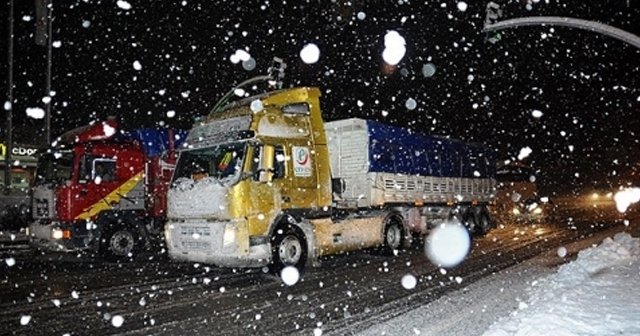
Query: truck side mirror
(266, 164)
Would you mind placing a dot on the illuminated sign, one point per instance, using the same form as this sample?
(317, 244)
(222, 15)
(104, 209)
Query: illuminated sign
(18, 150)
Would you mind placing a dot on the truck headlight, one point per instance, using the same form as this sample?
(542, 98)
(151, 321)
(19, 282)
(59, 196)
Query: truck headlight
(58, 234)
(229, 237)
(167, 233)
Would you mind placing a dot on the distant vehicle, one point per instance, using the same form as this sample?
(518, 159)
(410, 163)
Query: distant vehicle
(264, 181)
(103, 189)
(517, 192)
(15, 205)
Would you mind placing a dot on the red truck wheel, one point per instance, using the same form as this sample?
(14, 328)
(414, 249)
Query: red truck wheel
(120, 244)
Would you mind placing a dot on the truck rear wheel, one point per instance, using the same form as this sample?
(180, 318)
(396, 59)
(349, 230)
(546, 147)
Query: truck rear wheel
(393, 235)
(120, 244)
(288, 248)
(483, 221)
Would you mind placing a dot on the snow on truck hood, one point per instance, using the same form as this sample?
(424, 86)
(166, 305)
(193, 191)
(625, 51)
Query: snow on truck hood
(205, 198)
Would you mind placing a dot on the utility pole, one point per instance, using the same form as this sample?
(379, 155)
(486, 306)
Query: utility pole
(9, 106)
(44, 36)
(48, 93)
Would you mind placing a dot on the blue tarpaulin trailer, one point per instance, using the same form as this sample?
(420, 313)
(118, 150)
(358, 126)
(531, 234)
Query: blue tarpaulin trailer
(380, 165)
(402, 151)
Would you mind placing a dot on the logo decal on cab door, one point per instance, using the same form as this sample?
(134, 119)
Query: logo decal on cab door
(301, 162)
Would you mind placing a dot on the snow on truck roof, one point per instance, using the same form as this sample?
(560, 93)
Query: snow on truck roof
(153, 141)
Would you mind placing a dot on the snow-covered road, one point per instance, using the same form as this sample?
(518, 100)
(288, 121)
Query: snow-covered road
(596, 294)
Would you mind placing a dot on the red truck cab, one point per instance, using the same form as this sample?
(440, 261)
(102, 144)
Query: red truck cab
(102, 189)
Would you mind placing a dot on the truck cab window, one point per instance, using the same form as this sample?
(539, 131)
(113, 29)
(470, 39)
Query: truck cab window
(105, 169)
(279, 162)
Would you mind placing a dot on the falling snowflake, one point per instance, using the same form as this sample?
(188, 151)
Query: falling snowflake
(137, 65)
(624, 198)
(462, 6)
(310, 53)
(117, 321)
(108, 130)
(428, 70)
(448, 244)
(562, 251)
(256, 106)
(409, 281)
(411, 104)
(524, 152)
(239, 56)
(123, 5)
(35, 112)
(394, 47)
(249, 64)
(290, 275)
(25, 319)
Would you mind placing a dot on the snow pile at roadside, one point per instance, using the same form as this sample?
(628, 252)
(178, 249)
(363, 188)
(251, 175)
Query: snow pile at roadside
(597, 294)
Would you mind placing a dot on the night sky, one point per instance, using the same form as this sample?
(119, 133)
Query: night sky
(586, 85)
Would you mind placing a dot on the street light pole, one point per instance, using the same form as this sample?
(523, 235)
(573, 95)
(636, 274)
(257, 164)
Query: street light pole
(8, 106)
(48, 88)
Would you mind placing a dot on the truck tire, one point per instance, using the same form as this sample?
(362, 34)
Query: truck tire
(288, 248)
(470, 220)
(393, 235)
(483, 221)
(120, 243)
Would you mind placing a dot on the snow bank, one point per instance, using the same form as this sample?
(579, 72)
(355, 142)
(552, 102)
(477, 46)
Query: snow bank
(597, 294)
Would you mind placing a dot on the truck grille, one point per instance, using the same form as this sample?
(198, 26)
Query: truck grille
(198, 236)
(41, 208)
(196, 245)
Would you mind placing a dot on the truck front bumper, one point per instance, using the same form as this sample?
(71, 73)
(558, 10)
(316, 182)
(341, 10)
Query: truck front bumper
(56, 236)
(222, 244)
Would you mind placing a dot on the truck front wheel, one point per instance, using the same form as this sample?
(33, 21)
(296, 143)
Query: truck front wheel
(120, 244)
(288, 248)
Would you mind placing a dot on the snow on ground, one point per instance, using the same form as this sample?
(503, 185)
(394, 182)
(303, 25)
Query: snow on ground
(596, 294)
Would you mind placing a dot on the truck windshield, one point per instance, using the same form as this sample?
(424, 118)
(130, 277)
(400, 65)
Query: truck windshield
(221, 162)
(54, 168)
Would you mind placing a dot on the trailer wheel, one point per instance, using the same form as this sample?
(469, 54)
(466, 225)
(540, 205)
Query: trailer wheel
(393, 235)
(483, 221)
(288, 248)
(470, 220)
(120, 244)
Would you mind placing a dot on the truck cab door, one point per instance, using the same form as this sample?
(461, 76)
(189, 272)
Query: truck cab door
(98, 179)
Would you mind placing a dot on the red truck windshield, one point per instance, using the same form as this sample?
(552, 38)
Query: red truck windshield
(54, 168)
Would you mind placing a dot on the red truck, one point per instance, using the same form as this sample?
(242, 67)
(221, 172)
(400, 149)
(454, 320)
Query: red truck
(102, 189)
